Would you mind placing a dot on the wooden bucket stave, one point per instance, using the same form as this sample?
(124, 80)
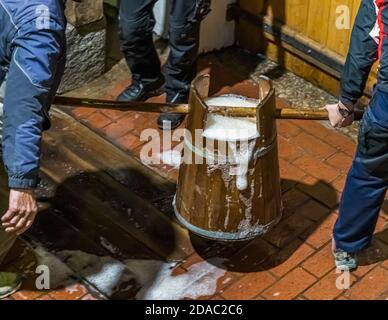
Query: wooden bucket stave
(208, 201)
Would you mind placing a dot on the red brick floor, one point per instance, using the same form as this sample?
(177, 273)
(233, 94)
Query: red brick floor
(294, 260)
(315, 159)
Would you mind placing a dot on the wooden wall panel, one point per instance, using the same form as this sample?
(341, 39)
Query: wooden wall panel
(318, 20)
(296, 12)
(338, 39)
(310, 19)
(356, 6)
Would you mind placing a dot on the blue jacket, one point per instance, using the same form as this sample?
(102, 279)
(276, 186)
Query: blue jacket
(369, 42)
(32, 55)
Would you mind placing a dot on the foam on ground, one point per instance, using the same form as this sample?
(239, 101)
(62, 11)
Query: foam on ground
(150, 279)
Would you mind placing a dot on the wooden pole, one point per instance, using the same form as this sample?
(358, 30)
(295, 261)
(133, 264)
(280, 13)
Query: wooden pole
(310, 114)
(121, 106)
(284, 113)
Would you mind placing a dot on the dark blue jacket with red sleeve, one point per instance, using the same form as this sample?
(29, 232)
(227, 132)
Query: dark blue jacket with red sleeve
(368, 43)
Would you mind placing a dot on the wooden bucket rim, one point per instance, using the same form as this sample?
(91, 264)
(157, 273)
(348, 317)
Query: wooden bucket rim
(262, 102)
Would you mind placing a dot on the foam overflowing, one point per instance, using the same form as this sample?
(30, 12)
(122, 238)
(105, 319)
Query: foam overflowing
(226, 128)
(239, 133)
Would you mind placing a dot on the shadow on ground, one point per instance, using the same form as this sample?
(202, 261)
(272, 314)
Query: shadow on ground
(279, 244)
(90, 216)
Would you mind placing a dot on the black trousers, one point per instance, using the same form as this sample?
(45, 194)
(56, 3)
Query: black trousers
(136, 25)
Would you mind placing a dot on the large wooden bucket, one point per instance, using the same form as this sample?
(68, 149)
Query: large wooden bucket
(210, 205)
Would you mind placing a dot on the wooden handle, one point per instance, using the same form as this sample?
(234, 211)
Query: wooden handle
(284, 113)
(310, 114)
(121, 106)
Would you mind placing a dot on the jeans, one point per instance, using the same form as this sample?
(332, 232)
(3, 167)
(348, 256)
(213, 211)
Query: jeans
(367, 180)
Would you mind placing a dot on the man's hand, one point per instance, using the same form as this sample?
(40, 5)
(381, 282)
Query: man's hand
(21, 212)
(339, 115)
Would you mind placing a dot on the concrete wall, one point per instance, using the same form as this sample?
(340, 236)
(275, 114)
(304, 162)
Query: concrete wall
(86, 43)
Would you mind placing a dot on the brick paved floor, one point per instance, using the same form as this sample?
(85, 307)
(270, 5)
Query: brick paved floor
(293, 261)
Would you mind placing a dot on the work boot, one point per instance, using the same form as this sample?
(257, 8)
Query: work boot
(171, 121)
(139, 91)
(344, 261)
(9, 284)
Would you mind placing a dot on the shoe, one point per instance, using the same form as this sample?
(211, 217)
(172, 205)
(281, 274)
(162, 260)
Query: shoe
(345, 261)
(171, 121)
(9, 284)
(139, 91)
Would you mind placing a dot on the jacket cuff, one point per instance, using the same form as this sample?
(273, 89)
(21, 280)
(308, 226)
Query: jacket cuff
(349, 103)
(17, 182)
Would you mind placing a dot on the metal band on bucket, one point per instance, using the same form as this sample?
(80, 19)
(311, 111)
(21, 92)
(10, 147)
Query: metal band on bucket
(249, 234)
(209, 156)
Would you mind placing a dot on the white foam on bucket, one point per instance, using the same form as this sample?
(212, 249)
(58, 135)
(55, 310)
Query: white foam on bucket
(240, 133)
